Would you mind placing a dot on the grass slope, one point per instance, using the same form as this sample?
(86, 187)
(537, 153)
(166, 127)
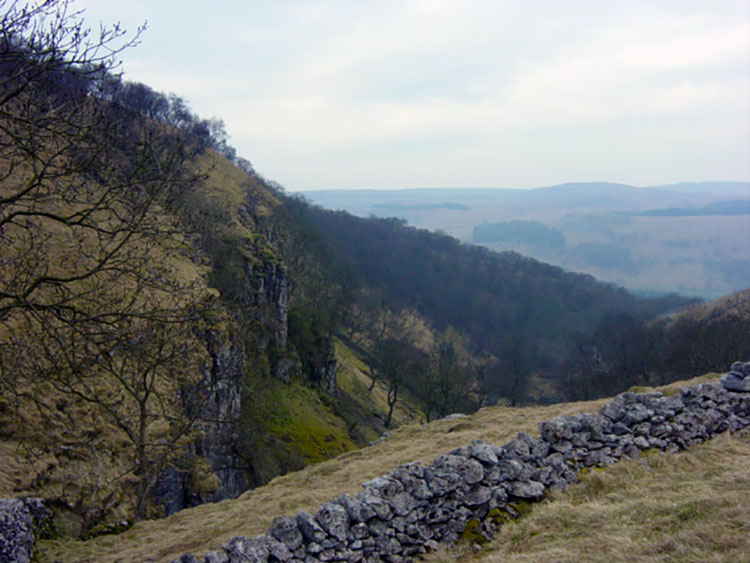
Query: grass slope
(206, 527)
(736, 305)
(691, 506)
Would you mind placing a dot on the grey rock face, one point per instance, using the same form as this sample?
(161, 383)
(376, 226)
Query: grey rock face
(635, 414)
(526, 489)
(357, 510)
(216, 557)
(218, 440)
(378, 504)
(411, 476)
(334, 519)
(473, 472)
(614, 410)
(556, 429)
(485, 453)
(736, 382)
(385, 486)
(477, 496)
(260, 548)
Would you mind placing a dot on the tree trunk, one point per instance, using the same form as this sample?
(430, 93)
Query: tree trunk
(392, 398)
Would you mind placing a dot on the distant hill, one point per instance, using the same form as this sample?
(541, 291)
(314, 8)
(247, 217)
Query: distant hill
(669, 234)
(734, 207)
(396, 206)
(728, 188)
(623, 194)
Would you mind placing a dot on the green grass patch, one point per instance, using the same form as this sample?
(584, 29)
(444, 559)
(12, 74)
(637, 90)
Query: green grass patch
(290, 426)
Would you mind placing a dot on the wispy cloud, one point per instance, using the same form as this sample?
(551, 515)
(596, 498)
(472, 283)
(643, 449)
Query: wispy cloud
(333, 93)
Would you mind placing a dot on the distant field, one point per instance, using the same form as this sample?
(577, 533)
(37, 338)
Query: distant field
(645, 239)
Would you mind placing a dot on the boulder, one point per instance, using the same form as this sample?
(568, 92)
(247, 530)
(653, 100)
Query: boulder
(526, 489)
(736, 382)
(259, 548)
(334, 519)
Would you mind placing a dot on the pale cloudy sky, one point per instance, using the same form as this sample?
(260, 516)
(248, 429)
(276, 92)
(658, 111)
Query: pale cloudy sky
(451, 93)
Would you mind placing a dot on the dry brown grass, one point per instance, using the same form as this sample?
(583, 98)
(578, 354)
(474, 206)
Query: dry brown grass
(686, 507)
(734, 305)
(74, 454)
(206, 527)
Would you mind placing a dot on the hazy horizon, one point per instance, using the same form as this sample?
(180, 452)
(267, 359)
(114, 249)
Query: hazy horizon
(738, 187)
(330, 94)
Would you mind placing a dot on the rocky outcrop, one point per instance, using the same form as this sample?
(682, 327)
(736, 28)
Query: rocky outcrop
(268, 293)
(218, 442)
(218, 434)
(266, 303)
(328, 376)
(405, 513)
(21, 521)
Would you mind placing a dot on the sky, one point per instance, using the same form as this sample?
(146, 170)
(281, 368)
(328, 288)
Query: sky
(350, 94)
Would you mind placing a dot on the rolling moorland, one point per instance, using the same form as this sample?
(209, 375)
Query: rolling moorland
(177, 330)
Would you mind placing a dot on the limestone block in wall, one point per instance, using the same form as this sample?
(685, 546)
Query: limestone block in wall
(738, 378)
(20, 520)
(16, 534)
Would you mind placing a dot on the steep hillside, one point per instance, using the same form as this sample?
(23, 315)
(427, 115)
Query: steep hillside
(258, 414)
(617, 233)
(144, 297)
(491, 297)
(204, 528)
(732, 307)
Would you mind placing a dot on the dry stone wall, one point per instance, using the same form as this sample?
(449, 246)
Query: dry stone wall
(406, 512)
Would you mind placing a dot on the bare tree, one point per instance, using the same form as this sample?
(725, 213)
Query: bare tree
(399, 364)
(447, 383)
(95, 300)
